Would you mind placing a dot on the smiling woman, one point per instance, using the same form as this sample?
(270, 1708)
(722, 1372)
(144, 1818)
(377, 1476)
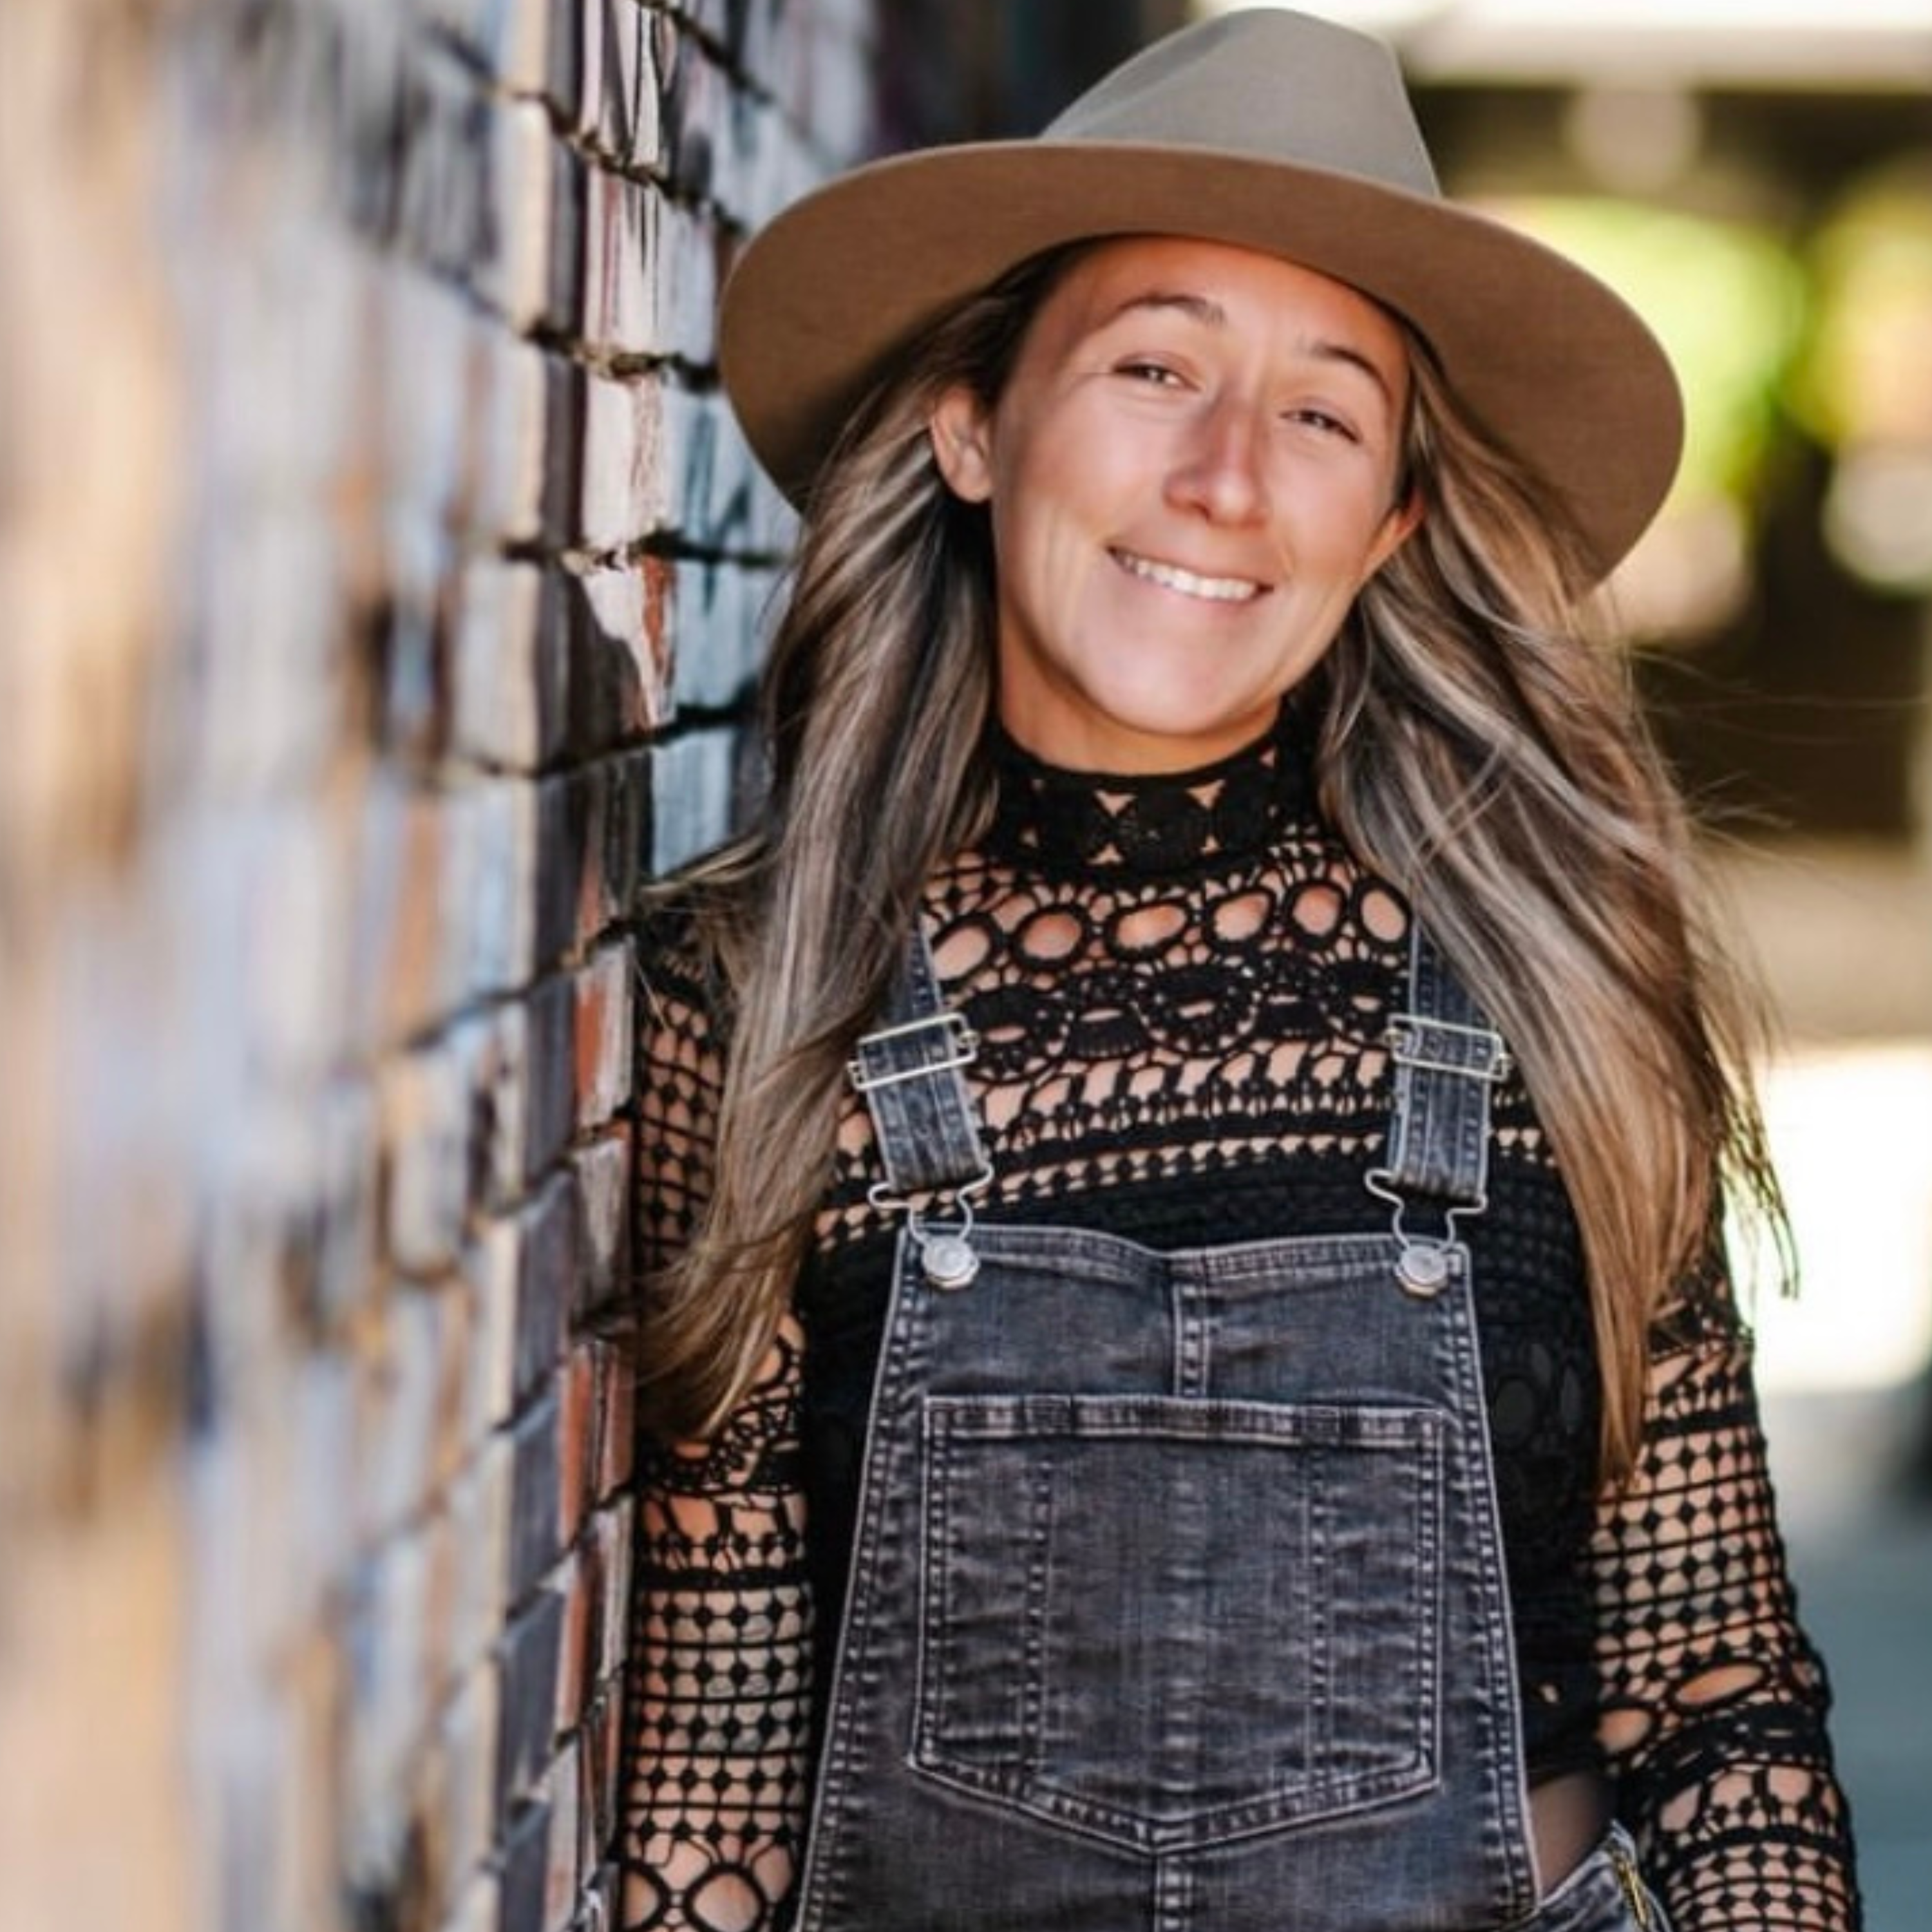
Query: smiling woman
(1194, 1378)
(1192, 470)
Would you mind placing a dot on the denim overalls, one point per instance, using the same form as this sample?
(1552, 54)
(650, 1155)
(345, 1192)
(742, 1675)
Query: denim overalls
(1177, 1600)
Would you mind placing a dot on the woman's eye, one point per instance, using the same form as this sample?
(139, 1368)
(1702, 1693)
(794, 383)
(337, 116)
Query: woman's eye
(1158, 373)
(1321, 420)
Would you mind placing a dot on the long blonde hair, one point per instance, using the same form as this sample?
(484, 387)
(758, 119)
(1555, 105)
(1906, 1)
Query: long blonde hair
(1478, 746)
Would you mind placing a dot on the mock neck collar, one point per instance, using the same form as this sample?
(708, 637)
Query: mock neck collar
(1050, 820)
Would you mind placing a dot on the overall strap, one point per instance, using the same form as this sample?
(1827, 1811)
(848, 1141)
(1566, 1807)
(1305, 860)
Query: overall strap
(910, 1071)
(1447, 1059)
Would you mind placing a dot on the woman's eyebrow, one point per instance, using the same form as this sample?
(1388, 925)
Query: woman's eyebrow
(1198, 307)
(1204, 309)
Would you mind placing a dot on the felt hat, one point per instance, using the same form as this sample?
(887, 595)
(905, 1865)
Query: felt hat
(1264, 128)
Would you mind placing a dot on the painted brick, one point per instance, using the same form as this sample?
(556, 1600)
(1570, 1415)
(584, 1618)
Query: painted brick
(258, 722)
(565, 804)
(410, 1364)
(603, 1171)
(688, 67)
(582, 1390)
(632, 463)
(723, 507)
(658, 459)
(616, 1411)
(563, 1861)
(752, 164)
(344, 1132)
(491, 1266)
(534, 1540)
(602, 1741)
(318, 1509)
(411, 698)
(427, 335)
(536, 188)
(387, 1704)
(554, 1053)
(576, 1453)
(573, 1581)
(609, 897)
(546, 1234)
(723, 611)
(462, 1793)
(509, 387)
(477, 1502)
(836, 112)
(592, 821)
(650, 274)
(510, 697)
(444, 214)
(620, 99)
(620, 651)
(400, 914)
(427, 1119)
(512, 38)
(479, 1907)
(693, 787)
(499, 1077)
(616, 1529)
(491, 858)
(311, 1691)
(532, 1662)
(526, 1857)
(603, 991)
(341, 1226)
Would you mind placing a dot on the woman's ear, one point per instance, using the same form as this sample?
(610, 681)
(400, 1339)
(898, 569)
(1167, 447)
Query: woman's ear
(961, 444)
(1403, 522)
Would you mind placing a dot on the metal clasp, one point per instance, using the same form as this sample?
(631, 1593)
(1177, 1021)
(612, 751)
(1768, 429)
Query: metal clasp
(946, 1245)
(961, 1049)
(1409, 1035)
(1426, 1263)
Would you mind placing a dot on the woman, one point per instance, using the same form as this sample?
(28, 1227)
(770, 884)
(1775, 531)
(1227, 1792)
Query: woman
(1213, 954)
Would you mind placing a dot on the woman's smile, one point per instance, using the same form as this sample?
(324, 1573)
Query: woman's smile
(1189, 582)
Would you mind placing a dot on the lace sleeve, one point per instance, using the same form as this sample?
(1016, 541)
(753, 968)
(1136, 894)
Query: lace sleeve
(716, 1735)
(1714, 1703)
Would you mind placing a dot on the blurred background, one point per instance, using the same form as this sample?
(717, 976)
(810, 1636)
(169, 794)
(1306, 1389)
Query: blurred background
(380, 591)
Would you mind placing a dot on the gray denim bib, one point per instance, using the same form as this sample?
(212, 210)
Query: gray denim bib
(1177, 1598)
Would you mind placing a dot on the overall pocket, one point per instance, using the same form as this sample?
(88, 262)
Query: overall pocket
(1167, 1622)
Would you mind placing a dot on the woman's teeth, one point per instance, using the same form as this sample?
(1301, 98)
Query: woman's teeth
(1172, 577)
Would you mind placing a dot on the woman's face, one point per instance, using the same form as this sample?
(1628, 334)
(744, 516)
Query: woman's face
(1190, 473)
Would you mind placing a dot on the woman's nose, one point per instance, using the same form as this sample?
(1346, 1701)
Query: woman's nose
(1218, 471)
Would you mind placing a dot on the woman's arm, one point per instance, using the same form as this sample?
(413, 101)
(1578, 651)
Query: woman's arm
(720, 1685)
(1714, 1702)
(718, 1711)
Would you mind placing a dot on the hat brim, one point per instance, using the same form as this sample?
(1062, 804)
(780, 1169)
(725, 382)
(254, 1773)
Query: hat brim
(1550, 361)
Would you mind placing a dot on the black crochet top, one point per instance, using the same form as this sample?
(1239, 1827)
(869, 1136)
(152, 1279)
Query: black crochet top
(1180, 986)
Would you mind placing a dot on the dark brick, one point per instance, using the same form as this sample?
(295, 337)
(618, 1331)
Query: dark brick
(525, 1855)
(546, 1271)
(531, 1653)
(552, 1118)
(534, 1543)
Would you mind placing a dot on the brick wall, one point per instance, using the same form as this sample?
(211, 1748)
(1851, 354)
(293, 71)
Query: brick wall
(379, 578)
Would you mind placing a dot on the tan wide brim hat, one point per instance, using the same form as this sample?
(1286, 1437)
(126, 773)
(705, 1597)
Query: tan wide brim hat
(1265, 129)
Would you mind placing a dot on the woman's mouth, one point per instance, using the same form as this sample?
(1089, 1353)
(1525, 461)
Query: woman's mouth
(1189, 583)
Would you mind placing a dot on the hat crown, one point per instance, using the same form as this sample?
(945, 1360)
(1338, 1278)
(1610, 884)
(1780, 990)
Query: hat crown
(1263, 81)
